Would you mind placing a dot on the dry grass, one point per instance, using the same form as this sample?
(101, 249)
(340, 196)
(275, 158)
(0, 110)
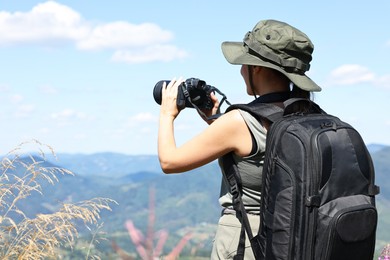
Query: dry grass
(41, 236)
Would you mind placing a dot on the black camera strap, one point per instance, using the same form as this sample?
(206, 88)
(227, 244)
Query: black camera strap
(224, 99)
(267, 98)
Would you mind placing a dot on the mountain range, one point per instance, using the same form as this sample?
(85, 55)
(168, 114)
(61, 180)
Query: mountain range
(182, 202)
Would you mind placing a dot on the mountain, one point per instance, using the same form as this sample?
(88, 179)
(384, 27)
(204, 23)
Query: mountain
(111, 165)
(188, 199)
(381, 160)
(373, 148)
(182, 201)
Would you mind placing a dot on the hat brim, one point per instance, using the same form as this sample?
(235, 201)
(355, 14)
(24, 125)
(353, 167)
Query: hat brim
(236, 53)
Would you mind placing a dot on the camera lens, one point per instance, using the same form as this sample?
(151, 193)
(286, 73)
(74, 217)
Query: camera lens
(157, 91)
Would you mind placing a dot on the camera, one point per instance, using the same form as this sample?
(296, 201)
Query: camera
(192, 93)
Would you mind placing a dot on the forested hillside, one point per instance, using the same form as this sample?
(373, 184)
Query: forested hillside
(182, 202)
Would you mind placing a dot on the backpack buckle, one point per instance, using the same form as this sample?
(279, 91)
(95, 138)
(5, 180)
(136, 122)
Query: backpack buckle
(234, 190)
(313, 201)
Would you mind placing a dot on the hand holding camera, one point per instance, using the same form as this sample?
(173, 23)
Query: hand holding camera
(192, 93)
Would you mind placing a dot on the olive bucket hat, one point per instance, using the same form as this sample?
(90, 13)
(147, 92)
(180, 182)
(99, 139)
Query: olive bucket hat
(275, 45)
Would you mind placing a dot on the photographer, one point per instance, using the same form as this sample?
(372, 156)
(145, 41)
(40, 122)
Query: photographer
(274, 57)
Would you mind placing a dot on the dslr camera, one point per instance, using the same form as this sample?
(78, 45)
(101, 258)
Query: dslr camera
(193, 93)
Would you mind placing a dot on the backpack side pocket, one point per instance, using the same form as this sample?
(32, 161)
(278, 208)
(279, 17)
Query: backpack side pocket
(348, 227)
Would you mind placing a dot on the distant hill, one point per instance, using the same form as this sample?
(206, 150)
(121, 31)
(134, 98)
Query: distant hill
(373, 148)
(185, 200)
(381, 160)
(113, 165)
(182, 201)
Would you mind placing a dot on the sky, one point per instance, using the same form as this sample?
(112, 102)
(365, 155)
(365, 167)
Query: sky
(79, 75)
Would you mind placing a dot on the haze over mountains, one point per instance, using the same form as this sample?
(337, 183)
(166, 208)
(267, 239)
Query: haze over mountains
(187, 200)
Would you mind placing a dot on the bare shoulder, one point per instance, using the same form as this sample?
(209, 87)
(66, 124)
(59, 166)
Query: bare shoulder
(235, 132)
(231, 123)
(232, 117)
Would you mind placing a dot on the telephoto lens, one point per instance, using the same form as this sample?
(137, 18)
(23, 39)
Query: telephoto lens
(157, 91)
(157, 94)
(181, 100)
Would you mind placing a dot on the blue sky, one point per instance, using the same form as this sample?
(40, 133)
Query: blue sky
(79, 75)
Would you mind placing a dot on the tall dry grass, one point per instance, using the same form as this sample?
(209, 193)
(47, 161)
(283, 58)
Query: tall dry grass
(43, 235)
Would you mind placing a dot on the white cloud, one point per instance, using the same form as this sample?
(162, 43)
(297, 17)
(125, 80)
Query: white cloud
(351, 74)
(46, 23)
(52, 24)
(118, 35)
(149, 54)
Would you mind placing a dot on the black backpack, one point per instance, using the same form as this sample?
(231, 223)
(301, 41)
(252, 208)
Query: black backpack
(318, 193)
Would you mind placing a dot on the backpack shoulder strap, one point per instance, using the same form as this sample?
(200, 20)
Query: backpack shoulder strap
(259, 110)
(233, 177)
(273, 112)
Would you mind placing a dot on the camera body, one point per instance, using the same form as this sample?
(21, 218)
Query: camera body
(192, 93)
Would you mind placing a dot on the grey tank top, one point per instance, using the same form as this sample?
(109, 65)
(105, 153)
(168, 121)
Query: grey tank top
(250, 168)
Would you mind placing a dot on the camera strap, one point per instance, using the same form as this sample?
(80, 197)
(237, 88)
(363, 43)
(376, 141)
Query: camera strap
(224, 99)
